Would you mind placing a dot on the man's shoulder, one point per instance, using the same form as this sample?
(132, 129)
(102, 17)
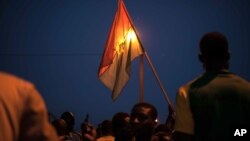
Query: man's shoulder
(240, 79)
(11, 78)
(13, 85)
(188, 84)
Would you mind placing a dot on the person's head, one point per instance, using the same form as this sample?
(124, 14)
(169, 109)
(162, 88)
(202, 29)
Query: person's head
(143, 119)
(60, 126)
(70, 120)
(214, 52)
(106, 128)
(121, 127)
(88, 131)
(162, 133)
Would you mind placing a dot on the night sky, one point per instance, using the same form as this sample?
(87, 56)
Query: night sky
(58, 44)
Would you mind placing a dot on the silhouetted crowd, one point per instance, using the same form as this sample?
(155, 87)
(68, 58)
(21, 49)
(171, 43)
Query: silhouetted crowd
(140, 124)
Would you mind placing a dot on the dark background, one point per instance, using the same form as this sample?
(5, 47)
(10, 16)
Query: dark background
(57, 45)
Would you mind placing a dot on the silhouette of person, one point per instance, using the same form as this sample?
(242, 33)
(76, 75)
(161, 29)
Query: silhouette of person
(61, 128)
(143, 120)
(23, 115)
(208, 107)
(107, 131)
(162, 133)
(121, 127)
(88, 132)
(69, 118)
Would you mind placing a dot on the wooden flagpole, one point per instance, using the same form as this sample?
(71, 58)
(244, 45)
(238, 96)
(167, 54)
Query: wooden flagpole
(152, 68)
(155, 73)
(159, 81)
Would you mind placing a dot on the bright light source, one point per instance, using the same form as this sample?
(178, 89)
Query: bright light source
(156, 120)
(131, 35)
(124, 41)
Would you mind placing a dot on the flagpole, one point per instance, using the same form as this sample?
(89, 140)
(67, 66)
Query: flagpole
(141, 62)
(154, 72)
(158, 80)
(151, 66)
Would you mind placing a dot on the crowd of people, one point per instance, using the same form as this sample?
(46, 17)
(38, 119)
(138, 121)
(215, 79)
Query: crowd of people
(139, 125)
(206, 108)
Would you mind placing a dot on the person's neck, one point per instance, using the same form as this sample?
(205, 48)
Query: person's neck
(216, 68)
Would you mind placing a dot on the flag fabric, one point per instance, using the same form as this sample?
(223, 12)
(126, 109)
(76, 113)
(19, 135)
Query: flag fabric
(122, 47)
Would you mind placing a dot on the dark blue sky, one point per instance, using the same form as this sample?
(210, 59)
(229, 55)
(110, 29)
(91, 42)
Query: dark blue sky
(57, 45)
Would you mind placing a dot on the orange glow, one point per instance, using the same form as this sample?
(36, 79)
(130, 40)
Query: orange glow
(131, 35)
